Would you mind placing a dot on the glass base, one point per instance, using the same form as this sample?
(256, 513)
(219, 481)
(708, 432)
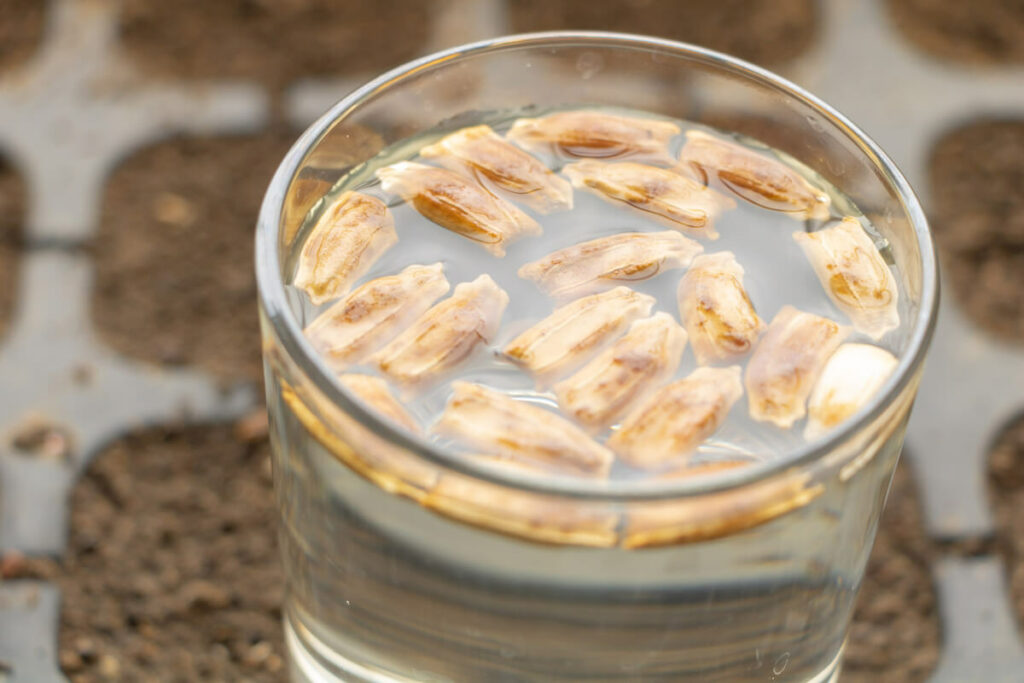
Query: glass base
(311, 661)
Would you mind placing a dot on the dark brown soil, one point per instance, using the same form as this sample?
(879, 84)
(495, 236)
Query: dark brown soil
(174, 254)
(763, 31)
(171, 573)
(274, 41)
(1006, 487)
(896, 633)
(12, 213)
(979, 31)
(21, 30)
(977, 183)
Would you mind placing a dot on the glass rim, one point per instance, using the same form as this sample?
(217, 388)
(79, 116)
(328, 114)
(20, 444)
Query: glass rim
(274, 302)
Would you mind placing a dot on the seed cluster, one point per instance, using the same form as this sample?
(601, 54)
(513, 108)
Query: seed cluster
(607, 359)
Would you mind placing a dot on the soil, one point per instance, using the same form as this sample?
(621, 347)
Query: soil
(980, 31)
(1006, 487)
(977, 211)
(767, 31)
(274, 41)
(174, 253)
(21, 31)
(896, 633)
(12, 213)
(171, 573)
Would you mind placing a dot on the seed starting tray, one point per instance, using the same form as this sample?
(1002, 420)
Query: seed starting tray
(77, 108)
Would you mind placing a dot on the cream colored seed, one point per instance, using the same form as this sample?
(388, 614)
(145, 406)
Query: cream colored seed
(672, 423)
(851, 378)
(568, 337)
(715, 309)
(766, 182)
(349, 237)
(375, 393)
(668, 197)
(479, 151)
(786, 364)
(446, 334)
(372, 314)
(623, 375)
(854, 275)
(495, 424)
(595, 134)
(458, 204)
(610, 261)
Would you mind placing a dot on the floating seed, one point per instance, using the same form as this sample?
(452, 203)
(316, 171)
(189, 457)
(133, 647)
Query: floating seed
(375, 312)
(374, 392)
(480, 151)
(787, 362)
(569, 336)
(762, 181)
(595, 134)
(350, 236)
(624, 374)
(716, 310)
(458, 204)
(854, 275)
(446, 334)
(668, 197)
(498, 425)
(668, 426)
(851, 378)
(609, 261)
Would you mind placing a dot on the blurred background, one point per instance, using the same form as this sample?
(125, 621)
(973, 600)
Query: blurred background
(136, 141)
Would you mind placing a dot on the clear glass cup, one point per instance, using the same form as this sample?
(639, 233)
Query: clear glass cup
(406, 563)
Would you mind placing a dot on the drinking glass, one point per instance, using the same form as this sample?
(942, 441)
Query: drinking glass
(405, 562)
